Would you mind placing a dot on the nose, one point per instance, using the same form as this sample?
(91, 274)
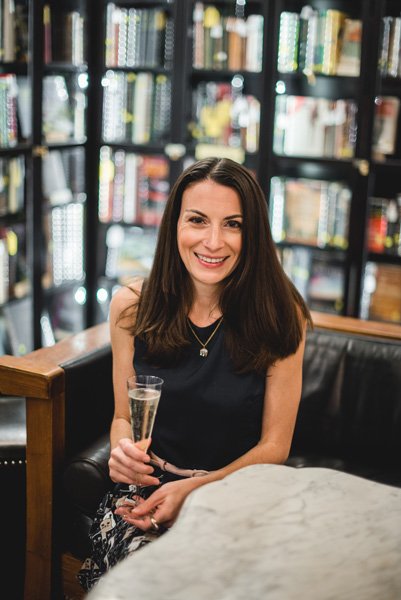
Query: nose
(214, 239)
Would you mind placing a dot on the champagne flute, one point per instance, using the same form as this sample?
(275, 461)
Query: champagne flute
(144, 394)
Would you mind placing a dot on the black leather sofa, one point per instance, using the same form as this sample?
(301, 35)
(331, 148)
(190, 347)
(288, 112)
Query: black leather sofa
(349, 419)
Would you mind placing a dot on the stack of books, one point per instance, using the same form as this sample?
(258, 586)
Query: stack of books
(390, 48)
(325, 42)
(12, 180)
(132, 188)
(136, 107)
(310, 212)
(138, 37)
(384, 225)
(316, 127)
(226, 42)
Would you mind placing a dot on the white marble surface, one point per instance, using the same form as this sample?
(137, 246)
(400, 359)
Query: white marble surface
(275, 533)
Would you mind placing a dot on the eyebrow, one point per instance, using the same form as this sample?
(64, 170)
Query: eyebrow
(201, 214)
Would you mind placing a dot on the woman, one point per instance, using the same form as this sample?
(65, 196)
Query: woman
(221, 324)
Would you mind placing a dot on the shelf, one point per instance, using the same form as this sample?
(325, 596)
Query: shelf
(390, 259)
(337, 254)
(223, 74)
(64, 145)
(326, 86)
(18, 68)
(137, 149)
(65, 67)
(166, 4)
(140, 69)
(10, 219)
(22, 148)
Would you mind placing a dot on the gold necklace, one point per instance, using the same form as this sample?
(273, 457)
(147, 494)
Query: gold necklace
(203, 352)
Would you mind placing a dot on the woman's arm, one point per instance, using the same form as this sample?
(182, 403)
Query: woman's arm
(127, 460)
(282, 396)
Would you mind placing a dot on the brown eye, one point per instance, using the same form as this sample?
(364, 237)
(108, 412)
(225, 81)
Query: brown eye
(234, 224)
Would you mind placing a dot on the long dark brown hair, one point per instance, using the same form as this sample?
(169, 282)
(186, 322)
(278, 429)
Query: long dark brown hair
(263, 312)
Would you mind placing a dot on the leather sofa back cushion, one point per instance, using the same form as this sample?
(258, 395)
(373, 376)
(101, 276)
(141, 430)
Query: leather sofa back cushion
(351, 399)
(89, 399)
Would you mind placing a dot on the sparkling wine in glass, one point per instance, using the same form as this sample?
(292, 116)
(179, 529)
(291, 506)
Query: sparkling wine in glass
(144, 394)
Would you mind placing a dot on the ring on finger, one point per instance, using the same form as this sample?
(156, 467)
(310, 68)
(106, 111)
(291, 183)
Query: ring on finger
(155, 524)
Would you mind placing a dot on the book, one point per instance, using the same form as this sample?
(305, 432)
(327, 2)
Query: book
(385, 127)
(308, 126)
(333, 24)
(309, 211)
(384, 45)
(18, 320)
(254, 43)
(394, 58)
(326, 285)
(377, 224)
(308, 19)
(349, 59)
(381, 298)
(58, 122)
(130, 251)
(287, 60)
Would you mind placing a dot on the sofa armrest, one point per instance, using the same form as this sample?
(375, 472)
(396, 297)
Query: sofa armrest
(40, 377)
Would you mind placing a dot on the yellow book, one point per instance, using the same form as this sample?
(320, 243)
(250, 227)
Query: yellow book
(331, 44)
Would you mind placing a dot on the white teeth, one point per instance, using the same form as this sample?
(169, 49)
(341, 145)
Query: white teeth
(210, 260)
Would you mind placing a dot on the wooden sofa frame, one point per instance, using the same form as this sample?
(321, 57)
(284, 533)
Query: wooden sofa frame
(39, 377)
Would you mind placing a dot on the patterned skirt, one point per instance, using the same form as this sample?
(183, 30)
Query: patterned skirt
(111, 537)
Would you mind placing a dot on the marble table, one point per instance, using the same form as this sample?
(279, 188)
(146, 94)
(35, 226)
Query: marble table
(276, 533)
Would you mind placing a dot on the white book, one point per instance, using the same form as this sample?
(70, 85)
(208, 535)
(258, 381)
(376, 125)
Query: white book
(254, 43)
(54, 184)
(142, 108)
(304, 126)
(130, 211)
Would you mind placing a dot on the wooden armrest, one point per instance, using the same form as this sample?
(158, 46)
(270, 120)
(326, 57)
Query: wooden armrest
(39, 377)
(38, 373)
(356, 326)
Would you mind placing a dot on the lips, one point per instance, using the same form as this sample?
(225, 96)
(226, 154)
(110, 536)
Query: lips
(211, 261)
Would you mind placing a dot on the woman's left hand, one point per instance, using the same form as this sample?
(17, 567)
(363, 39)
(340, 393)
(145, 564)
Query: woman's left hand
(162, 507)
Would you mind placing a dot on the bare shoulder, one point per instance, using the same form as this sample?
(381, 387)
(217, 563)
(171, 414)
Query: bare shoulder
(126, 297)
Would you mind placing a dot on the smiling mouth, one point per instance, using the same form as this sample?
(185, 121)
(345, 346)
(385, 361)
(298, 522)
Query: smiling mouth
(210, 261)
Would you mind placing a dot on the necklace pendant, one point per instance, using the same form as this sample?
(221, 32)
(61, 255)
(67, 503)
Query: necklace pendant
(203, 352)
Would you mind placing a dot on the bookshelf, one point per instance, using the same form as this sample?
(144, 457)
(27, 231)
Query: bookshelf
(116, 98)
(43, 147)
(348, 112)
(290, 92)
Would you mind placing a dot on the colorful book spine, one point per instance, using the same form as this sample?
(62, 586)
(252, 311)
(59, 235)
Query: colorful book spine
(287, 61)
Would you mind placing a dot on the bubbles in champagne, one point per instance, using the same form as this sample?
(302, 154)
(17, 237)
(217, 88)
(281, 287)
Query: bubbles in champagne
(143, 406)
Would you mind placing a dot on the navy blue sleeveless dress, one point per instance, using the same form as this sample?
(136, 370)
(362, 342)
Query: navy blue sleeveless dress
(208, 416)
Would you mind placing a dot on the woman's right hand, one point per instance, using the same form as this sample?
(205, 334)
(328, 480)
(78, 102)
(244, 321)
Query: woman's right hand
(128, 463)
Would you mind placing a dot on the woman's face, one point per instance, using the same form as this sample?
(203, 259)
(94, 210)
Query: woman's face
(209, 231)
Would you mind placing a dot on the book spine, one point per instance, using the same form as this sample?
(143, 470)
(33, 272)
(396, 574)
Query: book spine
(122, 38)
(130, 206)
(211, 19)
(254, 43)
(118, 186)
(385, 45)
(110, 41)
(320, 41)
(377, 224)
(47, 36)
(333, 25)
(9, 30)
(287, 61)
(198, 46)
(106, 175)
(276, 208)
(394, 48)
